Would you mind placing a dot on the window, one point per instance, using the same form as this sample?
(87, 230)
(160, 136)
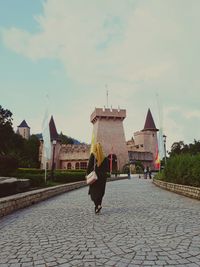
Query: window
(77, 165)
(83, 165)
(69, 165)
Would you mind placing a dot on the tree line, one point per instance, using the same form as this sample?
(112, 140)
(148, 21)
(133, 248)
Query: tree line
(15, 151)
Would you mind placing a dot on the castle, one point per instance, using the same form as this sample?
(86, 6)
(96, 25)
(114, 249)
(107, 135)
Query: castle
(107, 129)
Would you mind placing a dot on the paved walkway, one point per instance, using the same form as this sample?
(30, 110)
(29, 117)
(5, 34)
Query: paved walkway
(140, 225)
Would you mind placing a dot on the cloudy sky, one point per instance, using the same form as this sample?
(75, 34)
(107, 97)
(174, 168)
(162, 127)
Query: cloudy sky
(64, 54)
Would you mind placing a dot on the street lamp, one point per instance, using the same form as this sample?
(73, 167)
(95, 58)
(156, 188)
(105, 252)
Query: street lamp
(53, 163)
(164, 141)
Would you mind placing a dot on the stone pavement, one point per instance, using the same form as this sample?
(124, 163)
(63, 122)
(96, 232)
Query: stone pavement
(140, 225)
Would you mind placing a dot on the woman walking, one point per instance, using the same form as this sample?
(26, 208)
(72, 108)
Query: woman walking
(98, 162)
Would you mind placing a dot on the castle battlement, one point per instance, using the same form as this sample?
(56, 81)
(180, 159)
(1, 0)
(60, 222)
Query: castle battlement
(107, 113)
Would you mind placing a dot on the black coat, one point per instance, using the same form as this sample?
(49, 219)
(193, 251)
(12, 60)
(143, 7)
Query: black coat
(97, 189)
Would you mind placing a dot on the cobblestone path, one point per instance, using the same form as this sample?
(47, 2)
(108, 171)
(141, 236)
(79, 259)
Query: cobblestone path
(140, 225)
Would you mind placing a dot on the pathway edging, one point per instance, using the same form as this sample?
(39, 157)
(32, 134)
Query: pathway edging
(188, 191)
(15, 202)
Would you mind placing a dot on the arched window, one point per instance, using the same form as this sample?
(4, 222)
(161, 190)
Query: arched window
(83, 165)
(77, 165)
(69, 165)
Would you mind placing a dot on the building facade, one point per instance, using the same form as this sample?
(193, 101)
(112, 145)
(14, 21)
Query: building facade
(142, 147)
(109, 131)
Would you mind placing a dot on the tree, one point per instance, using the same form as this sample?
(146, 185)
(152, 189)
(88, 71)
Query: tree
(178, 148)
(6, 130)
(31, 152)
(65, 139)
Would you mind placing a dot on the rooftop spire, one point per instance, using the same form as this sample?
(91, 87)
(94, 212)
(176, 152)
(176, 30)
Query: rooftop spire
(149, 123)
(52, 130)
(23, 124)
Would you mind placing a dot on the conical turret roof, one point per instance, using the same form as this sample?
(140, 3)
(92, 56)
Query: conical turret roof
(149, 123)
(24, 124)
(52, 129)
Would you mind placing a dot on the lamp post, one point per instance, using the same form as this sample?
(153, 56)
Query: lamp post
(164, 141)
(53, 163)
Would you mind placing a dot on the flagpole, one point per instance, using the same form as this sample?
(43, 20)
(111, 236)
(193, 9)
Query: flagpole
(106, 95)
(45, 171)
(46, 138)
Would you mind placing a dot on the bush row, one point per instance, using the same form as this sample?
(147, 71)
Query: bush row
(182, 169)
(37, 176)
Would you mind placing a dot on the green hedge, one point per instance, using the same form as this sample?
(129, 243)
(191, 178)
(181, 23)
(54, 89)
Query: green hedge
(37, 176)
(69, 176)
(182, 169)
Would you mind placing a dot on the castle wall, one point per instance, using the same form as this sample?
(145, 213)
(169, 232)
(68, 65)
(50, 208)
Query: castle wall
(76, 155)
(109, 131)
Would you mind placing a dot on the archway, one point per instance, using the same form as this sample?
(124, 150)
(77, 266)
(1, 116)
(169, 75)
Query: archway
(112, 163)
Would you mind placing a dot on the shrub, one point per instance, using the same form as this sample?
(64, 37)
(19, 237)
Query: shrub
(183, 169)
(37, 178)
(69, 176)
(8, 165)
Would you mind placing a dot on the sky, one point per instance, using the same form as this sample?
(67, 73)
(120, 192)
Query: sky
(63, 56)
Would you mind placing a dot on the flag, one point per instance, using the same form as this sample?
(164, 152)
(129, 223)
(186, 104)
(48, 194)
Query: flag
(46, 137)
(157, 159)
(92, 142)
(161, 144)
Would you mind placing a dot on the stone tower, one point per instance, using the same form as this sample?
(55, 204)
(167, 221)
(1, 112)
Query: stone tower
(109, 131)
(147, 138)
(24, 130)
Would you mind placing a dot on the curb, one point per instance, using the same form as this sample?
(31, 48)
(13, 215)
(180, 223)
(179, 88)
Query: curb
(15, 202)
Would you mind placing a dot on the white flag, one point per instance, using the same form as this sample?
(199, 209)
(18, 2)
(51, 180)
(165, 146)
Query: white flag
(46, 136)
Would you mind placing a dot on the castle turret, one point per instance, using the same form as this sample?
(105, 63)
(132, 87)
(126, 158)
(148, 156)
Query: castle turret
(24, 130)
(146, 140)
(149, 123)
(109, 131)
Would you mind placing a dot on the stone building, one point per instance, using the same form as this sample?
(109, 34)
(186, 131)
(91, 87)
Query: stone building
(107, 129)
(24, 130)
(64, 156)
(142, 147)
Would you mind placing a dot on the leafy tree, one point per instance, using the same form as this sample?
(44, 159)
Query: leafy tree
(6, 130)
(31, 152)
(179, 148)
(26, 152)
(65, 139)
(176, 148)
